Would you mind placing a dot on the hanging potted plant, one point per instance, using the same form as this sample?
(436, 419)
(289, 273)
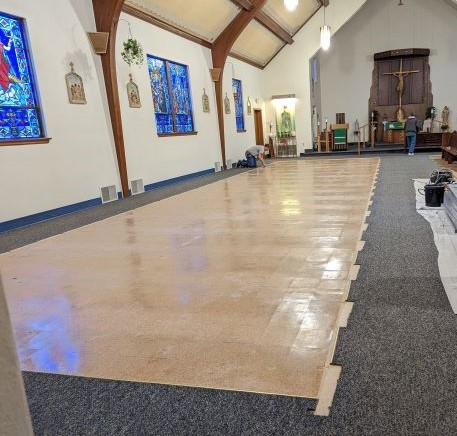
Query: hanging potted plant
(132, 52)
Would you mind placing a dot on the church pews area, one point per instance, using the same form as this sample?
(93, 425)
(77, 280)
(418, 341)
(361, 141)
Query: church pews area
(449, 147)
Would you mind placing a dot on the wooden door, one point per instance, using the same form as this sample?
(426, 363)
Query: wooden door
(258, 125)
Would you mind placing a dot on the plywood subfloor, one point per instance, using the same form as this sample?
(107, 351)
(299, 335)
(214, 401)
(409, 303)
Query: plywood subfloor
(236, 285)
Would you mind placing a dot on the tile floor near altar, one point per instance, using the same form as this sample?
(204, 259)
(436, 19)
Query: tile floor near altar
(235, 285)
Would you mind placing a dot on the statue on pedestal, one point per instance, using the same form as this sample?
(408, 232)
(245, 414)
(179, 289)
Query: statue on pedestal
(445, 118)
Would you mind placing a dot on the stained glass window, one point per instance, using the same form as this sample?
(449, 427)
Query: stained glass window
(238, 104)
(171, 96)
(19, 110)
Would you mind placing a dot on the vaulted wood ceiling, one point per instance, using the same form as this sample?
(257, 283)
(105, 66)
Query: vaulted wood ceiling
(204, 20)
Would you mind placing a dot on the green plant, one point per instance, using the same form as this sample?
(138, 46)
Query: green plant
(132, 52)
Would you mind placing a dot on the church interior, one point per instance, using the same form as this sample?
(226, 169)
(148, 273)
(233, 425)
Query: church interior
(149, 285)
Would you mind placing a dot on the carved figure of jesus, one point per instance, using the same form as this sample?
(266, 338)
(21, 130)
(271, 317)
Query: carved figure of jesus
(401, 78)
(400, 87)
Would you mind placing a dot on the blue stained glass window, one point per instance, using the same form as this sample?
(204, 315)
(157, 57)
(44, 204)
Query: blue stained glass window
(19, 110)
(171, 95)
(238, 105)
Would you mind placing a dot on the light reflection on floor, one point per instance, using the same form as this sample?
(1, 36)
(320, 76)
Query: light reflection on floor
(235, 285)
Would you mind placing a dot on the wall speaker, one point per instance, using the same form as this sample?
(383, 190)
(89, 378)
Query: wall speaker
(99, 41)
(215, 74)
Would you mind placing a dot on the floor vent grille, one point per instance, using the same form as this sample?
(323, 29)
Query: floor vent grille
(137, 186)
(108, 193)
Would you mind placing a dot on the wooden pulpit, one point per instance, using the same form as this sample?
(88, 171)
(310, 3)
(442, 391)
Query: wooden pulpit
(339, 138)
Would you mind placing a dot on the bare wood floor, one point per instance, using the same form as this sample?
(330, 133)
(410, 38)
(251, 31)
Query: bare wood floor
(235, 285)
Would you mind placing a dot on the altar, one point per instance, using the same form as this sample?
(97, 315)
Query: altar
(394, 132)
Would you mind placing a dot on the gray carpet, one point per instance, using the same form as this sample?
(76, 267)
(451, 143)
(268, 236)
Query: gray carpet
(398, 354)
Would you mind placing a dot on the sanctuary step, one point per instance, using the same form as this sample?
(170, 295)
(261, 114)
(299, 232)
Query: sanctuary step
(450, 204)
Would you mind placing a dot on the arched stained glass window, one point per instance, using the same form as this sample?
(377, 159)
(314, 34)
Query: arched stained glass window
(19, 109)
(171, 96)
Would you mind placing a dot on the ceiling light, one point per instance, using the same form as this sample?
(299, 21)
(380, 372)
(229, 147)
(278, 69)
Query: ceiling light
(325, 35)
(291, 5)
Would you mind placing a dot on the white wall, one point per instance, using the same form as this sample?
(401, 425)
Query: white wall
(80, 157)
(156, 158)
(346, 70)
(148, 156)
(289, 73)
(251, 78)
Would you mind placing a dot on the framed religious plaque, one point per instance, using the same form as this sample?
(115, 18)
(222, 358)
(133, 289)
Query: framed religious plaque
(227, 104)
(133, 93)
(75, 87)
(205, 101)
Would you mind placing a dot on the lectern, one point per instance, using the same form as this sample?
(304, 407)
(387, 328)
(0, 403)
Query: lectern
(339, 137)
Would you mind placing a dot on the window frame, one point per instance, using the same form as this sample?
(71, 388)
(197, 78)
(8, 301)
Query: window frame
(239, 101)
(172, 112)
(42, 139)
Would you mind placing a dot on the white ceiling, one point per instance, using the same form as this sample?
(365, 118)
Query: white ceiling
(206, 19)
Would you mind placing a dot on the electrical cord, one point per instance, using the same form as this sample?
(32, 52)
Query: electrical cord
(441, 174)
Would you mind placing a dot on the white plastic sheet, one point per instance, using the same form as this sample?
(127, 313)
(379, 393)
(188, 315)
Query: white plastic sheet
(445, 241)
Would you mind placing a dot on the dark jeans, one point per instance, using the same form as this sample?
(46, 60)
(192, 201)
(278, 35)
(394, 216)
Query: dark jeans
(411, 141)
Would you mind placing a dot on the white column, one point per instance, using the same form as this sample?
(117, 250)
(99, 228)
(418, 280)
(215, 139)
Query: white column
(14, 412)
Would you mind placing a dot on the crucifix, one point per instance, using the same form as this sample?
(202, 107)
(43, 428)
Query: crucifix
(401, 76)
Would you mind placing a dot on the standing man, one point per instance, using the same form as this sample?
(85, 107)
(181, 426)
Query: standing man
(411, 129)
(256, 151)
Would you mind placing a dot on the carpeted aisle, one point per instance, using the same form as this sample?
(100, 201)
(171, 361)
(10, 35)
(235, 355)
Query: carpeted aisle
(399, 354)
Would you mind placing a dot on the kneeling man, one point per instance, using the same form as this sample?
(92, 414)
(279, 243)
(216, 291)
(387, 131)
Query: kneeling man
(257, 151)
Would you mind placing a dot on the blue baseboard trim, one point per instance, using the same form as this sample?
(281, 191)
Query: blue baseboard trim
(48, 214)
(168, 182)
(65, 210)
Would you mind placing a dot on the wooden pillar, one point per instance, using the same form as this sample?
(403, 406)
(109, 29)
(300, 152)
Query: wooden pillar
(220, 114)
(107, 14)
(219, 52)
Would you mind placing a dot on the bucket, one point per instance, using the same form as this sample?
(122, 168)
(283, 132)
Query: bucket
(434, 195)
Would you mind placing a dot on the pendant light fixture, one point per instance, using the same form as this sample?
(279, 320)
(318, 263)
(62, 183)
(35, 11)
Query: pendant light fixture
(291, 5)
(325, 35)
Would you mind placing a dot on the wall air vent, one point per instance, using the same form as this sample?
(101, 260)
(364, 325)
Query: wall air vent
(137, 186)
(108, 193)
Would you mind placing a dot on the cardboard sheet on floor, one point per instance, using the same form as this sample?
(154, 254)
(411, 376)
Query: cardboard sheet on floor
(445, 241)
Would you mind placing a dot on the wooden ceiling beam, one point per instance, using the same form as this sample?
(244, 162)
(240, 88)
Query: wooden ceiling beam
(107, 14)
(219, 52)
(243, 4)
(273, 27)
(224, 42)
(151, 19)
